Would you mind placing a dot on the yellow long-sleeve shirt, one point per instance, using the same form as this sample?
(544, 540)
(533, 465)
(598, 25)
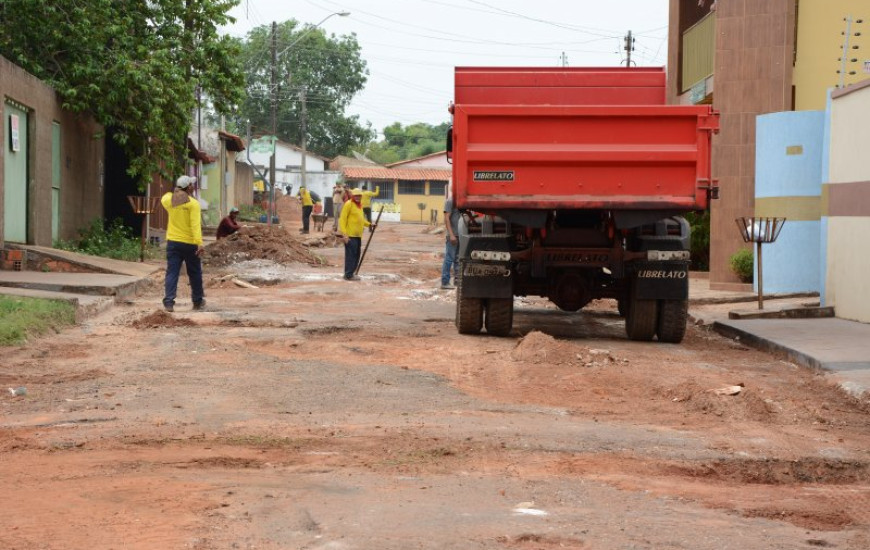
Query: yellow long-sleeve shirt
(352, 221)
(367, 196)
(185, 223)
(305, 195)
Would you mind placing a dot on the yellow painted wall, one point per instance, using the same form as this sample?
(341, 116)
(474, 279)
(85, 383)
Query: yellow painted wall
(410, 212)
(212, 194)
(820, 45)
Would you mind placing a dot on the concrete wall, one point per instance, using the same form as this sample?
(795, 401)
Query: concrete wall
(819, 46)
(81, 158)
(846, 200)
(788, 184)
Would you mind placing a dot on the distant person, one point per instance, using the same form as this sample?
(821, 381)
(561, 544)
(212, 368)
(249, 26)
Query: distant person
(351, 225)
(451, 246)
(307, 206)
(229, 224)
(337, 202)
(183, 242)
(367, 200)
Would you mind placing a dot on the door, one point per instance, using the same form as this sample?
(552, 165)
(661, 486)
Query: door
(55, 181)
(15, 174)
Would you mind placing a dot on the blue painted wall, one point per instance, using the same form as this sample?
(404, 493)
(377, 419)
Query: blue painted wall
(792, 263)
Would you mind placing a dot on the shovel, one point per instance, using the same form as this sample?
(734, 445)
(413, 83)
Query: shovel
(371, 234)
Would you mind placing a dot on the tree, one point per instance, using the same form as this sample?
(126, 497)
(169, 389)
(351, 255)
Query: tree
(134, 65)
(328, 69)
(407, 142)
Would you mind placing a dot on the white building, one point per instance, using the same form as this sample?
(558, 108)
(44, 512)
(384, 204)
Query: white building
(289, 170)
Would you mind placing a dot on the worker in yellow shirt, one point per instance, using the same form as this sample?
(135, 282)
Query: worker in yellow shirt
(307, 205)
(183, 242)
(367, 200)
(351, 224)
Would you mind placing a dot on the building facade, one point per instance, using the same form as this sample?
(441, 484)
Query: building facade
(51, 163)
(846, 205)
(750, 58)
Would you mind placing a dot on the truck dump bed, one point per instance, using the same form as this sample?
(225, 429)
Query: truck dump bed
(577, 138)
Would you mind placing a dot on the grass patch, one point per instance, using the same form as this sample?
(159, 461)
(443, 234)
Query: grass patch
(21, 318)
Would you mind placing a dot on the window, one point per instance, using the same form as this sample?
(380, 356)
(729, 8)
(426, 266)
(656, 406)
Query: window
(412, 187)
(386, 191)
(437, 187)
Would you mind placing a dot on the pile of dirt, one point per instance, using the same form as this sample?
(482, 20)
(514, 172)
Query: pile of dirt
(289, 210)
(258, 242)
(161, 319)
(537, 347)
(744, 405)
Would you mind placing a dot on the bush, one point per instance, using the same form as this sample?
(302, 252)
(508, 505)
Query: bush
(742, 264)
(113, 240)
(700, 243)
(250, 212)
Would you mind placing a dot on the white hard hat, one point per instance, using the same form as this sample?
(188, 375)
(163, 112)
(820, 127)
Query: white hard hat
(184, 181)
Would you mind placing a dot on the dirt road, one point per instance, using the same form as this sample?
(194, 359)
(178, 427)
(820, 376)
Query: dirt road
(317, 413)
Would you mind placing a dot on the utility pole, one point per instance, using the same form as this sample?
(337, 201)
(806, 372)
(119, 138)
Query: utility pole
(274, 93)
(564, 59)
(304, 126)
(629, 47)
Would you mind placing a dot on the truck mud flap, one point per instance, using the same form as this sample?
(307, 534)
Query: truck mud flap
(661, 280)
(486, 280)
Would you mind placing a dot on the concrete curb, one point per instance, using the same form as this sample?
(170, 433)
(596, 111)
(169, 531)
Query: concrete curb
(768, 346)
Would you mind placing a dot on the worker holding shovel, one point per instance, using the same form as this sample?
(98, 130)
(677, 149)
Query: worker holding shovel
(351, 225)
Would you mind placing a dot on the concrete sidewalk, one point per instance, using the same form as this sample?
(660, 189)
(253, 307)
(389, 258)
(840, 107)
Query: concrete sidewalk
(838, 346)
(91, 283)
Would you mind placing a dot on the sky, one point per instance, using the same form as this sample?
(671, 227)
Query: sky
(412, 46)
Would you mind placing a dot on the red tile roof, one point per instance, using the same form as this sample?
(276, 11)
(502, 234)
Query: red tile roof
(417, 159)
(381, 173)
(234, 142)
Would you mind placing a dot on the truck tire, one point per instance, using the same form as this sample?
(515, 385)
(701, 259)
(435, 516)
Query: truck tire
(673, 315)
(499, 316)
(641, 319)
(469, 311)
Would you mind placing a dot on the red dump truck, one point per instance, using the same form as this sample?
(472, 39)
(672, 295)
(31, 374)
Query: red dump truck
(571, 183)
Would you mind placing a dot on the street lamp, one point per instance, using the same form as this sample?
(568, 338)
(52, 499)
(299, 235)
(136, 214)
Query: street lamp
(274, 102)
(311, 28)
(304, 129)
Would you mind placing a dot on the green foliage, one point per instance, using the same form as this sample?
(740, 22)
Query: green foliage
(407, 142)
(251, 213)
(24, 317)
(134, 65)
(328, 70)
(114, 240)
(742, 264)
(700, 240)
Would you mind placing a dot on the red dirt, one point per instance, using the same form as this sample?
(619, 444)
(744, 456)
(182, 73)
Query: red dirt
(319, 413)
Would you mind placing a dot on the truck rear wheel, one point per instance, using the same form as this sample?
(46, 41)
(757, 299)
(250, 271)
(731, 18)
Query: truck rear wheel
(673, 315)
(499, 316)
(469, 311)
(641, 319)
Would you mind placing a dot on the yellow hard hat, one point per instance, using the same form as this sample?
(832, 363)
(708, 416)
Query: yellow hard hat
(356, 192)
